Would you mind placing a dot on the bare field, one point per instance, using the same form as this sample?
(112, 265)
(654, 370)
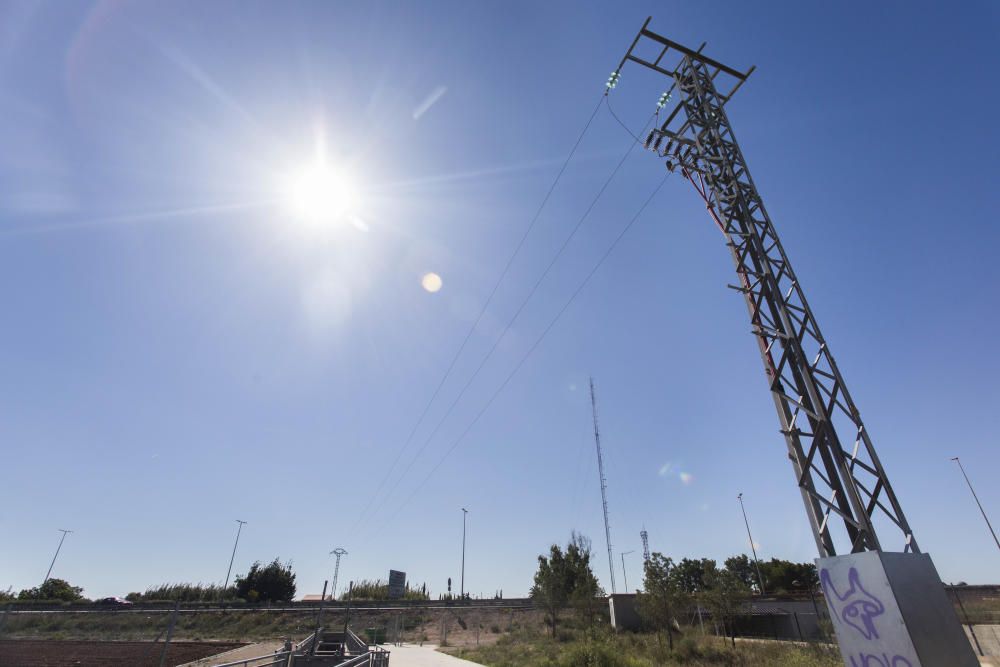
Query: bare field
(78, 653)
(457, 626)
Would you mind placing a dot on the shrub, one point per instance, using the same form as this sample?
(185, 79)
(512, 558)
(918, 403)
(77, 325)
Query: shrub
(53, 589)
(273, 582)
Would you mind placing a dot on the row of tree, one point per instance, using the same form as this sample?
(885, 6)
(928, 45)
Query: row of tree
(564, 579)
(271, 582)
(692, 575)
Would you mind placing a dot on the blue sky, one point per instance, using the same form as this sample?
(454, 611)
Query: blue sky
(182, 350)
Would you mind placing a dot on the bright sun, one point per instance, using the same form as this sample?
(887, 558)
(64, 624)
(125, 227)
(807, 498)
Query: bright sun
(320, 194)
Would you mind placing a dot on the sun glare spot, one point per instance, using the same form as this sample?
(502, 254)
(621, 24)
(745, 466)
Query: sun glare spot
(431, 282)
(320, 194)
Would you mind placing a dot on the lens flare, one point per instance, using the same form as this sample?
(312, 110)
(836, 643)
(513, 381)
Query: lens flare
(431, 282)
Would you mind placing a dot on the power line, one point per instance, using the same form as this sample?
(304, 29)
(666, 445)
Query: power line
(517, 313)
(482, 312)
(533, 347)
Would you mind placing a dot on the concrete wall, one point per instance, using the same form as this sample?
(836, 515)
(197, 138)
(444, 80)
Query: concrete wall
(624, 615)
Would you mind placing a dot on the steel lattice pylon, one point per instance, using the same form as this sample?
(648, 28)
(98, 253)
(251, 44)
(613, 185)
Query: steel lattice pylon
(816, 412)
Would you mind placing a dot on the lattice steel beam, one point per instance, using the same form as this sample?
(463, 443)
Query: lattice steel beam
(816, 412)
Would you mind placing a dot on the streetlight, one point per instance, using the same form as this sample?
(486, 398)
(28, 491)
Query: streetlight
(462, 589)
(623, 567)
(338, 552)
(988, 525)
(752, 547)
(222, 596)
(64, 534)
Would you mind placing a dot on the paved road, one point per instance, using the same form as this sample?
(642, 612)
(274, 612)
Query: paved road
(424, 656)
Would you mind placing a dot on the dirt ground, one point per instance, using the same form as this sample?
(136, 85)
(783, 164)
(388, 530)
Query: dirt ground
(41, 653)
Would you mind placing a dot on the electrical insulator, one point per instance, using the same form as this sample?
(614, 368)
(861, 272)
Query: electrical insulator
(613, 80)
(664, 98)
(656, 144)
(649, 139)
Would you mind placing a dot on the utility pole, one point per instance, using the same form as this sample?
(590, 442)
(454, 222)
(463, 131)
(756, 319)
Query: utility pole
(752, 547)
(222, 595)
(604, 486)
(465, 512)
(988, 524)
(624, 573)
(64, 534)
(338, 552)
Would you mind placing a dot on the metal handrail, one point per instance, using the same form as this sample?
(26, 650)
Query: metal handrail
(306, 642)
(275, 658)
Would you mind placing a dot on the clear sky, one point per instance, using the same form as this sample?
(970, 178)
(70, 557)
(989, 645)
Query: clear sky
(182, 347)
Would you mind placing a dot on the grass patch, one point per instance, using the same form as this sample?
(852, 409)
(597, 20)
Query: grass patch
(576, 648)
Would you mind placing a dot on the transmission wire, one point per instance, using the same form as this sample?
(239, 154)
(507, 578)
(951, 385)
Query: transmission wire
(517, 314)
(527, 354)
(482, 312)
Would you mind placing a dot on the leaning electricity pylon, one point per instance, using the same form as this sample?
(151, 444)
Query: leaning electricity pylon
(604, 486)
(887, 608)
(338, 552)
(816, 412)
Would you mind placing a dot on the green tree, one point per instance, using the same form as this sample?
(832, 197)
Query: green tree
(743, 569)
(53, 589)
(565, 577)
(689, 574)
(724, 594)
(663, 597)
(782, 576)
(585, 589)
(273, 582)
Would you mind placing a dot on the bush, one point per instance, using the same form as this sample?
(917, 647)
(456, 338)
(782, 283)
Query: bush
(368, 589)
(273, 582)
(53, 589)
(183, 592)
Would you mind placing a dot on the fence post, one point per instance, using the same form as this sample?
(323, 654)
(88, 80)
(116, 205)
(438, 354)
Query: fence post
(6, 612)
(798, 627)
(170, 633)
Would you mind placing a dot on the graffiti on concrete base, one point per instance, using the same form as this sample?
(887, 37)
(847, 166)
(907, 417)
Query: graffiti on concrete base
(857, 607)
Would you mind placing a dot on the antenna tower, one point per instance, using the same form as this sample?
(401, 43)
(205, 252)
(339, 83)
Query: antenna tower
(645, 544)
(604, 486)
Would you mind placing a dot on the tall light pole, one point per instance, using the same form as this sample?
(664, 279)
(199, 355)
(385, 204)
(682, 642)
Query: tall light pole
(465, 512)
(988, 525)
(64, 534)
(623, 567)
(752, 547)
(338, 552)
(222, 596)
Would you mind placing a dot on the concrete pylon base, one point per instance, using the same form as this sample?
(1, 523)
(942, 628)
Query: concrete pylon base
(891, 610)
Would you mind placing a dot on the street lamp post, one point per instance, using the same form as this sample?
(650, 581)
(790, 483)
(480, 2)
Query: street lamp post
(222, 595)
(988, 525)
(338, 552)
(624, 553)
(752, 547)
(465, 512)
(64, 534)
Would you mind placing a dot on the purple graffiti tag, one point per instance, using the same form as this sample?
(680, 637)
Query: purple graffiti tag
(858, 607)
